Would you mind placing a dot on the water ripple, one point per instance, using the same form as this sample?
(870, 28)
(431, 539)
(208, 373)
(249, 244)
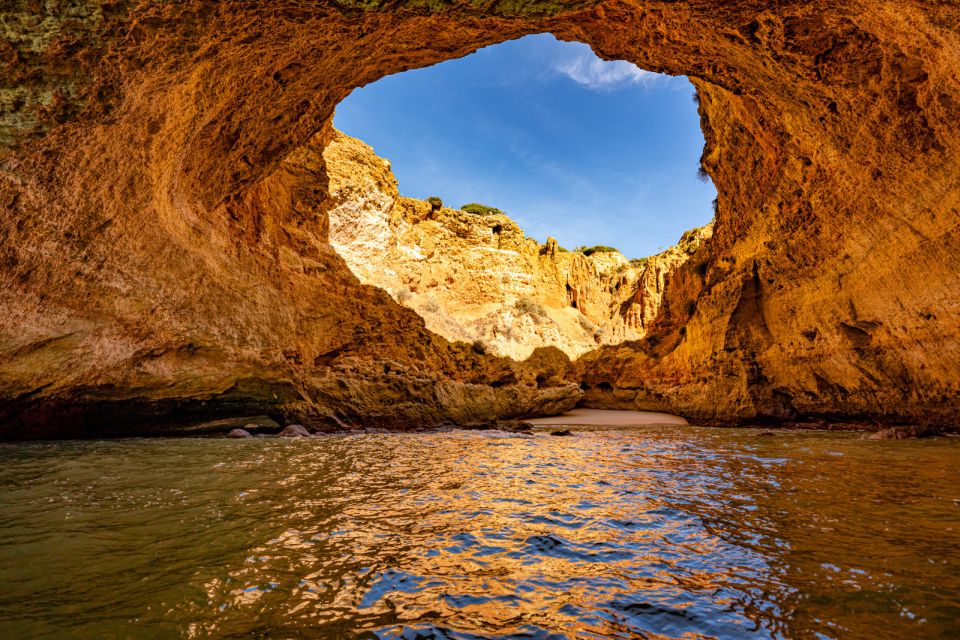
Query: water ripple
(644, 533)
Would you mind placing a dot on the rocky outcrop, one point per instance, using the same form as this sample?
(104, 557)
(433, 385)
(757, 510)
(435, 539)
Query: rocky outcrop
(478, 278)
(158, 263)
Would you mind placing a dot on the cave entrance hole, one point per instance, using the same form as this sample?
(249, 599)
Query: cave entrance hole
(519, 142)
(594, 153)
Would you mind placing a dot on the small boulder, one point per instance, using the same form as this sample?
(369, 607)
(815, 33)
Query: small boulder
(239, 433)
(294, 431)
(515, 426)
(562, 432)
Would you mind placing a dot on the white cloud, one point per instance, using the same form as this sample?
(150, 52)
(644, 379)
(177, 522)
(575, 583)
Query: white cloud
(588, 70)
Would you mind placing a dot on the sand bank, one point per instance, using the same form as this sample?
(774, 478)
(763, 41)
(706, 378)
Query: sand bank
(609, 418)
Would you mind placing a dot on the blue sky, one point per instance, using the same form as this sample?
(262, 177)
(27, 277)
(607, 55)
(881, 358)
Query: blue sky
(588, 151)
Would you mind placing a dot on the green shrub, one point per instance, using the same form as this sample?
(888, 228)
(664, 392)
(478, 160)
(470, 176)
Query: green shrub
(435, 202)
(530, 307)
(599, 248)
(586, 324)
(403, 295)
(430, 305)
(481, 209)
(590, 327)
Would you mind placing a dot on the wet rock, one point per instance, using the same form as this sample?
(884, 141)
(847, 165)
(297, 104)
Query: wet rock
(251, 424)
(294, 431)
(239, 433)
(514, 426)
(562, 432)
(479, 426)
(903, 433)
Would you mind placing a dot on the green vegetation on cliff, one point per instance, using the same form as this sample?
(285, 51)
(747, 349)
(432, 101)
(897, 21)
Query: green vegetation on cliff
(481, 209)
(599, 248)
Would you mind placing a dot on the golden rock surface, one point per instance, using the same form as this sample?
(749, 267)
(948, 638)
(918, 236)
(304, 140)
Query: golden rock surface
(159, 261)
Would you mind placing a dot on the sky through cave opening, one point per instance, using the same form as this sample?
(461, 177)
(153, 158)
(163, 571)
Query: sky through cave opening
(588, 151)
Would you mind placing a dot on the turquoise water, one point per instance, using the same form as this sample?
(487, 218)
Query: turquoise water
(678, 533)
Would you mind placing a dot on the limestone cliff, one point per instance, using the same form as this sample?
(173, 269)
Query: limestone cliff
(158, 264)
(478, 278)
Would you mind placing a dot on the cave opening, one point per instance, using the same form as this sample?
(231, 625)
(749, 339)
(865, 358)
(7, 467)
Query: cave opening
(594, 153)
(528, 192)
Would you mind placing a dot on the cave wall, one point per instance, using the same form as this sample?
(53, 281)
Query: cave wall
(830, 291)
(156, 264)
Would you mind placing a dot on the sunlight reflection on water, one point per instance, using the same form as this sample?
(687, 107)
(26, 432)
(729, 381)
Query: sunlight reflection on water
(679, 533)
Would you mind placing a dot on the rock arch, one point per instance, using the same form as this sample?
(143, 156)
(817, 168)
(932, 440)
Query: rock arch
(158, 266)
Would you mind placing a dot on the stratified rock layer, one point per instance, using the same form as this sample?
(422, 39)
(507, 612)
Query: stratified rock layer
(158, 263)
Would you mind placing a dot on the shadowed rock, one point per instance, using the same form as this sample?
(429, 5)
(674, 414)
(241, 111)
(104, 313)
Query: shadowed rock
(904, 433)
(294, 431)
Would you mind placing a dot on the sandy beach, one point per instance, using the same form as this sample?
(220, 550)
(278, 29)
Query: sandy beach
(609, 418)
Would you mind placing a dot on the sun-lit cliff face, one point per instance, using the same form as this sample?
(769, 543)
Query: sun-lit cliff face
(157, 263)
(478, 278)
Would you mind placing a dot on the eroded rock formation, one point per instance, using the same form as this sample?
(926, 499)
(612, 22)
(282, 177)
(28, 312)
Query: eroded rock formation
(158, 262)
(478, 278)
